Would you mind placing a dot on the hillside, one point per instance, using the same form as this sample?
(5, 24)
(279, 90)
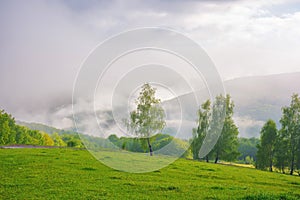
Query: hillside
(42, 127)
(75, 174)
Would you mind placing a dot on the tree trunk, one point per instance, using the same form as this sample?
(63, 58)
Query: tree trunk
(207, 160)
(271, 165)
(292, 164)
(150, 147)
(217, 158)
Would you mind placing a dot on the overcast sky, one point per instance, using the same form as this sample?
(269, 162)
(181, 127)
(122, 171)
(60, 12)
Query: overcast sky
(43, 43)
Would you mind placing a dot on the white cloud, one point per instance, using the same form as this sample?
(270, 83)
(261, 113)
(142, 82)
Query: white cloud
(247, 126)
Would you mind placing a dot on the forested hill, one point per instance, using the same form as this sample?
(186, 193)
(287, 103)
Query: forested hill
(42, 127)
(124, 143)
(12, 133)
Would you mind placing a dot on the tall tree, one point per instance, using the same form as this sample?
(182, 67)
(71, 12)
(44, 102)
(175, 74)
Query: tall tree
(266, 148)
(227, 144)
(148, 116)
(281, 152)
(290, 130)
(200, 132)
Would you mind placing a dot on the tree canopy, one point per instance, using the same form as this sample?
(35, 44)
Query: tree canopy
(219, 119)
(148, 118)
(266, 148)
(290, 133)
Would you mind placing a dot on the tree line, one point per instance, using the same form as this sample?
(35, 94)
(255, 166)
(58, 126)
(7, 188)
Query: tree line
(11, 133)
(280, 148)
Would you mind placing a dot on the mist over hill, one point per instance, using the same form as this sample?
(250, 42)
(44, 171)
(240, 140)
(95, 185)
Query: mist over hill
(256, 98)
(260, 98)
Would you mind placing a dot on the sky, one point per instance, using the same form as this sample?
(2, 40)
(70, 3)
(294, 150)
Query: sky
(43, 43)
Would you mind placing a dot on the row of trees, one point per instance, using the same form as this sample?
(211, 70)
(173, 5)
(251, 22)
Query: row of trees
(227, 143)
(281, 148)
(11, 133)
(148, 118)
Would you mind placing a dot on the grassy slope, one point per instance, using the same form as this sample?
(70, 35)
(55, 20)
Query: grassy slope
(75, 174)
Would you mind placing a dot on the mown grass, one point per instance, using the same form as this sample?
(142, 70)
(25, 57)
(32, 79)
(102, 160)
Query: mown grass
(75, 174)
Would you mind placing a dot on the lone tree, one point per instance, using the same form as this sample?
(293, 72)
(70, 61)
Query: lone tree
(148, 118)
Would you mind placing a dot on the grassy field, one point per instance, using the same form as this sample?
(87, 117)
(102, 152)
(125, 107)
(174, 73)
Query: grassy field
(75, 174)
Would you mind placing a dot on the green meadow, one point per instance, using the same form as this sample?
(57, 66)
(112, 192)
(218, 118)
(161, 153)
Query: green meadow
(65, 173)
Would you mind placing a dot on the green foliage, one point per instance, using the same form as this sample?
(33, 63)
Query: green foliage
(281, 152)
(11, 133)
(247, 147)
(249, 160)
(200, 132)
(159, 141)
(290, 134)
(7, 128)
(282, 149)
(47, 140)
(58, 141)
(211, 122)
(72, 140)
(227, 144)
(148, 118)
(76, 174)
(266, 148)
